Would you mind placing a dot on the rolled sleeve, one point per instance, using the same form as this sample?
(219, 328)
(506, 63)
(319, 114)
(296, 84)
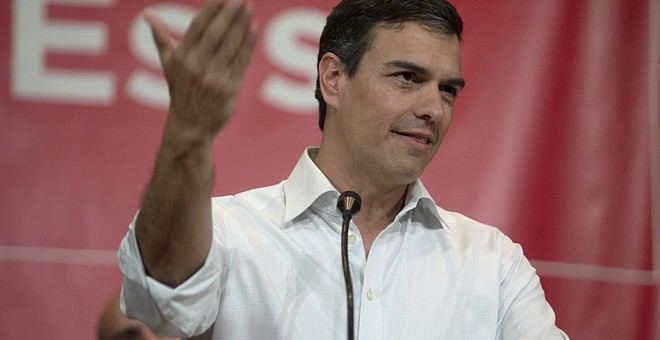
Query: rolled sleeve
(187, 310)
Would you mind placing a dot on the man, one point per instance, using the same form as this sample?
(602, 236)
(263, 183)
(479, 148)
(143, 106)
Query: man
(265, 264)
(114, 326)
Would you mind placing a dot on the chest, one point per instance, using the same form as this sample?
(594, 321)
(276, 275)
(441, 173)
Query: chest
(410, 286)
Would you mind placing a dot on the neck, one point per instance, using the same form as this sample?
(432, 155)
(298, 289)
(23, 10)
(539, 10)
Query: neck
(379, 210)
(381, 201)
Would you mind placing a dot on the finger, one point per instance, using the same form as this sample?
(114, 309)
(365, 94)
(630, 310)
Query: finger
(219, 28)
(164, 41)
(232, 71)
(233, 40)
(200, 22)
(242, 57)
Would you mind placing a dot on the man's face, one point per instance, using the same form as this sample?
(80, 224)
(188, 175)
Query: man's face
(394, 112)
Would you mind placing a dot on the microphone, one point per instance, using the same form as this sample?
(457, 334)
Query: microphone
(349, 204)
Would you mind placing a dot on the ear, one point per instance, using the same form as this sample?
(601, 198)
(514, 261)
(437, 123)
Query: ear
(330, 72)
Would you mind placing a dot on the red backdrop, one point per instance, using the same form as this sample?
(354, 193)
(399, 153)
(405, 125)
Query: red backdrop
(556, 140)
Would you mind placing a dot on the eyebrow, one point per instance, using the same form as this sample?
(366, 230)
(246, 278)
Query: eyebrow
(408, 65)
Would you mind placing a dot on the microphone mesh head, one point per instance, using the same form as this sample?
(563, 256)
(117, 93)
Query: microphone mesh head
(349, 202)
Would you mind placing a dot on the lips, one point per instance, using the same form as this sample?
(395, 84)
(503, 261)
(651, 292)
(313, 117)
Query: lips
(423, 137)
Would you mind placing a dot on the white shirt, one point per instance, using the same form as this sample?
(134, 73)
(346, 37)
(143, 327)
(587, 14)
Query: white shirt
(274, 271)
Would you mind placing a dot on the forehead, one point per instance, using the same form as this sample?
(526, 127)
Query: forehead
(416, 43)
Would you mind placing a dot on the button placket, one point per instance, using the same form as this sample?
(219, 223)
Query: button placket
(371, 310)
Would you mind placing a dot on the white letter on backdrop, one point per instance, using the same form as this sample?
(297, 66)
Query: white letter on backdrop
(34, 35)
(286, 50)
(144, 86)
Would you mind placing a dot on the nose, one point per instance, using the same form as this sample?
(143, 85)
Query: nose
(432, 107)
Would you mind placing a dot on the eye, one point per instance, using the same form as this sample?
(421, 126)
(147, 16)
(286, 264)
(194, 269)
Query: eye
(449, 90)
(407, 77)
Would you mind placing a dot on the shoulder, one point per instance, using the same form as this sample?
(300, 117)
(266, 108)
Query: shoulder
(257, 205)
(467, 233)
(256, 199)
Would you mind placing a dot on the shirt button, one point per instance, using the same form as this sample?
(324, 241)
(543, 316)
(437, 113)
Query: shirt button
(370, 295)
(351, 239)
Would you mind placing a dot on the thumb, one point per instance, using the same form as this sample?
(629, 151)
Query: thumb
(164, 41)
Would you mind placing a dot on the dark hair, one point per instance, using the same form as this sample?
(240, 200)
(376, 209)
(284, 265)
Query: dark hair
(349, 29)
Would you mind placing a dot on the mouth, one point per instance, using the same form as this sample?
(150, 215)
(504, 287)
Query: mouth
(420, 137)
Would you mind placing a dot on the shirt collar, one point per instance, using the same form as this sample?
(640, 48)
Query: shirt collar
(307, 183)
(418, 197)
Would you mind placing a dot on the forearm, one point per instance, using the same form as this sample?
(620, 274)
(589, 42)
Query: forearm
(173, 228)
(204, 71)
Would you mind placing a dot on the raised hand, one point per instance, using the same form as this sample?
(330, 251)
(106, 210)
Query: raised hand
(204, 70)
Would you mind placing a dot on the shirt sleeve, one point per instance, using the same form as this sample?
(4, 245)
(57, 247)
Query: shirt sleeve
(524, 311)
(187, 310)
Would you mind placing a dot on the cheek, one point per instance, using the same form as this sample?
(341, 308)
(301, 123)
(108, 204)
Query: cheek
(371, 110)
(376, 106)
(446, 121)
(443, 130)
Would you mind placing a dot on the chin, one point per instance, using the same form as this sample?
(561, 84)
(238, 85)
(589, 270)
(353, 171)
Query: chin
(407, 177)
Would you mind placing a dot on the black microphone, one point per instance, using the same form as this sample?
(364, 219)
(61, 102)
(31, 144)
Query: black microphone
(349, 203)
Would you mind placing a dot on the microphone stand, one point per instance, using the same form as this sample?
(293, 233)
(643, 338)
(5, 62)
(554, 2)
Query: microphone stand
(347, 272)
(349, 204)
